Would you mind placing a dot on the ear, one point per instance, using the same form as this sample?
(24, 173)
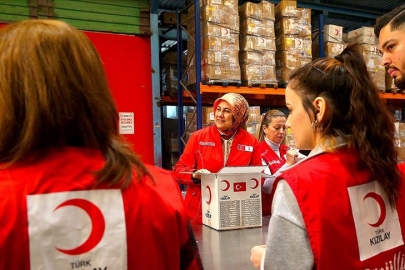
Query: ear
(321, 109)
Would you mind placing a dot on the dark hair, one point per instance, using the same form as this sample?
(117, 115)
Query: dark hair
(351, 95)
(266, 120)
(54, 93)
(396, 18)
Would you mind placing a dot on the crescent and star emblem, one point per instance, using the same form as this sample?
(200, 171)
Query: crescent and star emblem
(381, 203)
(97, 222)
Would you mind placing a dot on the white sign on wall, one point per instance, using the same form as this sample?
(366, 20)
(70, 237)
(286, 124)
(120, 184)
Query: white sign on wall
(126, 122)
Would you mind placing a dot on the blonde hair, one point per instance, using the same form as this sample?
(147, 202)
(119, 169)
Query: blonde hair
(54, 92)
(267, 118)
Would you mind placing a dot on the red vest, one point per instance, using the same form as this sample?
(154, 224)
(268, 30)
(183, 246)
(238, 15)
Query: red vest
(347, 216)
(275, 163)
(154, 226)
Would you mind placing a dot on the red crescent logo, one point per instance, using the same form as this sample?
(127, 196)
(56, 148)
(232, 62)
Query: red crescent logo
(209, 190)
(97, 222)
(381, 203)
(226, 33)
(227, 185)
(336, 32)
(257, 183)
(262, 40)
(300, 43)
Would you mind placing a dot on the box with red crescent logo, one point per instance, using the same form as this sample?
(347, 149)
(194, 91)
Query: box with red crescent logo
(231, 198)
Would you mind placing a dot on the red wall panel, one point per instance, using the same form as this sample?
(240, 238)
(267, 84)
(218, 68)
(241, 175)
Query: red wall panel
(127, 61)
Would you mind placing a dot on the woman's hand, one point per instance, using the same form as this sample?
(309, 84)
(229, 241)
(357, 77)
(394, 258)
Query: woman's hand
(290, 156)
(197, 174)
(256, 255)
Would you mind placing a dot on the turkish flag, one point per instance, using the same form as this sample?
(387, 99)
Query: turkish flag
(239, 186)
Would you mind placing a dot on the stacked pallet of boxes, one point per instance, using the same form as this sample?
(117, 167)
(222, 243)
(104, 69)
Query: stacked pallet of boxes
(219, 42)
(333, 41)
(169, 73)
(366, 38)
(293, 38)
(254, 120)
(257, 43)
(191, 121)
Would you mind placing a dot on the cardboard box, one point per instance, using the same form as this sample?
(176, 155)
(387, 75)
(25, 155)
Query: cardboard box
(288, 43)
(287, 59)
(286, 9)
(208, 117)
(333, 33)
(378, 76)
(369, 49)
(283, 74)
(231, 198)
(248, 43)
(250, 10)
(232, 5)
(212, 72)
(269, 58)
(251, 26)
(258, 74)
(287, 26)
(267, 10)
(268, 30)
(362, 35)
(304, 16)
(258, 58)
(251, 57)
(331, 49)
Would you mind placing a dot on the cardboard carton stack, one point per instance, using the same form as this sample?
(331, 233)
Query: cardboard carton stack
(333, 41)
(293, 40)
(191, 121)
(254, 120)
(169, 73)
(257, 44)
(219, 42)
(366, 38)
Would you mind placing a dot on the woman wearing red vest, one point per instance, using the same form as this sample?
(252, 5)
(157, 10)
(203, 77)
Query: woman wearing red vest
(73, 193)
(274, 154)
(210, 149)
(343, 206)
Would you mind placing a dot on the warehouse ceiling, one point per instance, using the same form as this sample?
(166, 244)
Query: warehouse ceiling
(350, 14)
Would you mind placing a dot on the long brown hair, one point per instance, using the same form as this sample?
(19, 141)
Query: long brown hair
(351, 95)
(267, 118)
(53, 93)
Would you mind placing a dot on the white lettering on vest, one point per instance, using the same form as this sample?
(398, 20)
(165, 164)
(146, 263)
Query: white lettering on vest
(397, 263)
(274, 162)
(207, 143)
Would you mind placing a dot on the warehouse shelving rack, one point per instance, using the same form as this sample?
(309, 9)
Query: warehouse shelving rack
(196, 97)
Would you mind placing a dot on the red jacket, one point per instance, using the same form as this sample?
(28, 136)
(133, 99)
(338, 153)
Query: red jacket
(204, 151)
(275, 163)
(349, 221)
(53, 217)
